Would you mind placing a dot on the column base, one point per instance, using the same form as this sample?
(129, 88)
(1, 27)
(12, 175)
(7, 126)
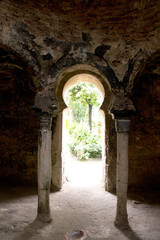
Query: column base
(121, 221)
(44, 218)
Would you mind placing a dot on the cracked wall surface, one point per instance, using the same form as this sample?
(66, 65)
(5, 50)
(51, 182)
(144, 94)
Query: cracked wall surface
(119, 38)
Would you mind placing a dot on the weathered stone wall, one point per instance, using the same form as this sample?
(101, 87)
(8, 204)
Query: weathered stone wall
(144, 151)
(18, 123)
(111, 154)
(115, 37)
(44, 32)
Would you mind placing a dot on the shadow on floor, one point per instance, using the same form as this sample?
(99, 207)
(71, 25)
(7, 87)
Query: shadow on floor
(148, 196)
(129, 233)
(32, 231)
(11, 192)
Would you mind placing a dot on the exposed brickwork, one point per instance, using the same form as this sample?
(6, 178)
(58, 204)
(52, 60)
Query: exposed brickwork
(18, 122)
(116, 37)
(145, 129)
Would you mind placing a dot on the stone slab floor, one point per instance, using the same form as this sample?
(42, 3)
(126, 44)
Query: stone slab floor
(76, 207)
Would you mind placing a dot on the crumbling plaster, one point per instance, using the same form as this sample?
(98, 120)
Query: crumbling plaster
(43, 33)
(115, 38)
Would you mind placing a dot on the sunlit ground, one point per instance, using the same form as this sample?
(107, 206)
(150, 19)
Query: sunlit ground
(83, 173)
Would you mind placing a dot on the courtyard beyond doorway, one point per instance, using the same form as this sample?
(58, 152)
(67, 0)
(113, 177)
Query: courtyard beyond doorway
(84, 173)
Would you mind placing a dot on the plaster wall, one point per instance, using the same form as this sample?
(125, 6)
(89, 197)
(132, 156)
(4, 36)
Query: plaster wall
(113, 37)
(18, 122)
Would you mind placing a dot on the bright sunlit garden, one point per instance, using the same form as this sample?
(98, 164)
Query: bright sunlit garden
(83, 122)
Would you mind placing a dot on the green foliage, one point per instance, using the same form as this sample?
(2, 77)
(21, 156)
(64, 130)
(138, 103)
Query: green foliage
(80, 96)
(84, 143)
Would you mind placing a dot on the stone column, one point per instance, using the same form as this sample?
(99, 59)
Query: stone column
(122, 128)
(57, 168)
(44, 168)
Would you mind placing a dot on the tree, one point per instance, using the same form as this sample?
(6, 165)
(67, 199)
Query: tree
(81, 97)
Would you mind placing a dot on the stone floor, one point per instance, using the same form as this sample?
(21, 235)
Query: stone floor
(78, 207)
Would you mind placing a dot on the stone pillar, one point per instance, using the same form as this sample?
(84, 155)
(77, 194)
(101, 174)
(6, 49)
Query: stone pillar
(44, 168)
(57, 168)
(122, 128)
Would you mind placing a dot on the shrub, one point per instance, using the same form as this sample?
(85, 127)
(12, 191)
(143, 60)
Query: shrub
(83, 143)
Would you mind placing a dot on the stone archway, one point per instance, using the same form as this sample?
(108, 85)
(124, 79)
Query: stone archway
(18, 122)
(121, 109)
(144, 149)
(83, 78)
(69, 77)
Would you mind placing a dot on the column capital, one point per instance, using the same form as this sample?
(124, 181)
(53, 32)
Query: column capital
(122, 106)
(122, 125)
(46, 103)
(45, 121)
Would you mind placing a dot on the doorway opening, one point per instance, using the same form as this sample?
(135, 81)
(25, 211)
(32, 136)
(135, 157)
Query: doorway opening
(83, 138)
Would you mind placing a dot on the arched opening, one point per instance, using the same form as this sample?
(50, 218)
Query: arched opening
(64, 81)
(18, 122)
(83, 154)
(144, 151)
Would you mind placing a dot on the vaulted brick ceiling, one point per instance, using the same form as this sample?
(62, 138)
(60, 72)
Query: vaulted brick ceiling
(131, 20)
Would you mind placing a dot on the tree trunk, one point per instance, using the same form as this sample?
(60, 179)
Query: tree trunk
(90, 117)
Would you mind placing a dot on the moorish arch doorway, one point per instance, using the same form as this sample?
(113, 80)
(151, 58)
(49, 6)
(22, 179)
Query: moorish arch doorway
(116, 142)
(87, 172)
(76, 74)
